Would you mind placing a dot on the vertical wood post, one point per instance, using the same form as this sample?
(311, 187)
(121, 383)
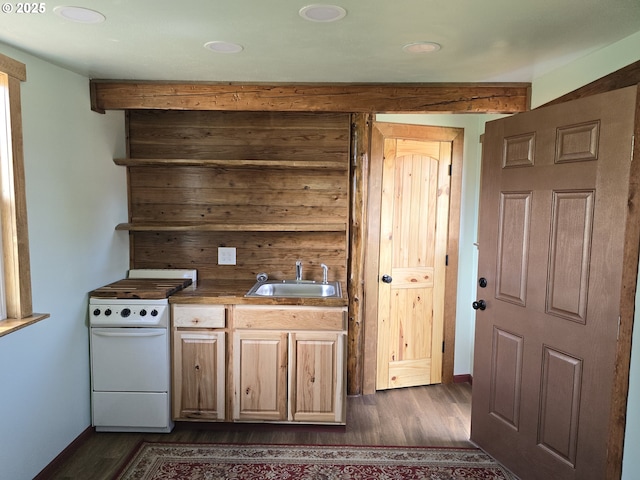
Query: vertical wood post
(360, 147)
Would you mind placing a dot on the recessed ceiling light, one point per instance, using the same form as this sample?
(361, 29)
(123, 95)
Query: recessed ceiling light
(322, 13)
(421, 47)
(223, 47)
(80, 15)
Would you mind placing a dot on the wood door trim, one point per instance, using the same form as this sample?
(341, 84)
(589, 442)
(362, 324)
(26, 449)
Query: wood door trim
(418, 132)
(631, 257)
(624, 77)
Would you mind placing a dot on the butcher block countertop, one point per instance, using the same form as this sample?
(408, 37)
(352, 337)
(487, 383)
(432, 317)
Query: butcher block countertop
(142, 288)
(228, 292)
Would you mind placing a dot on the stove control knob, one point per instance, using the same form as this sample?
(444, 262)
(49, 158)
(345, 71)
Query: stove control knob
(125, 312)
(107, 312)
(96, 312)
(143, 312)
(154, 313)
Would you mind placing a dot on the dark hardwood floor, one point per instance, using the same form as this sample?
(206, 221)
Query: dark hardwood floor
(436, 415)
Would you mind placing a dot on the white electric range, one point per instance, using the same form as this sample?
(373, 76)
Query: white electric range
(130, 351)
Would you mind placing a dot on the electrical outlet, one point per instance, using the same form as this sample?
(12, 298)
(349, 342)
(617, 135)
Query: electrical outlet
(226, 255)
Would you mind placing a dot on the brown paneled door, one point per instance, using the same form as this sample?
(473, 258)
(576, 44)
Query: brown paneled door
(413, 241)
(551, 236)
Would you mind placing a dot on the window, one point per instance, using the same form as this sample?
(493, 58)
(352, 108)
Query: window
(5, 152)
(16, 275)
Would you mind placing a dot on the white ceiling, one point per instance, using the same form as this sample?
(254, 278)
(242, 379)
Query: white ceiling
(482, 40)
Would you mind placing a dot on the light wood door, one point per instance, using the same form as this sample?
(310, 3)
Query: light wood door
(199, 373)
(554, 197)
(316, 377)
(260, 375)
(413, 240)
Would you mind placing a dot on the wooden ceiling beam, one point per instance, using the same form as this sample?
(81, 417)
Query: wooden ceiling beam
(353, 98)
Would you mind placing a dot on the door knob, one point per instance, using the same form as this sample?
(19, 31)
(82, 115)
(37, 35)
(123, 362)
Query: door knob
(387, 278)
(479, 305)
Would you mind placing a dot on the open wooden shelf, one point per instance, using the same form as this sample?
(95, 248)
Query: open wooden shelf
(232, 227)
(284, 164)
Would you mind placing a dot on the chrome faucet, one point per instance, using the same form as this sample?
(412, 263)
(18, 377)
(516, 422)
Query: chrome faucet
(298, 270)
(325, 272)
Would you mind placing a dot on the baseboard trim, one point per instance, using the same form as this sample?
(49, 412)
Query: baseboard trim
(49, 470)
(466, 378)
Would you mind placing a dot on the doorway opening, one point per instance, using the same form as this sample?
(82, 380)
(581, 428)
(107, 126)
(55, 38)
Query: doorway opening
(416, 145)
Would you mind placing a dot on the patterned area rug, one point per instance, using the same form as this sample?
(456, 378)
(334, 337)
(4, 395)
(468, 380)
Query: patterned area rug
(155, 461)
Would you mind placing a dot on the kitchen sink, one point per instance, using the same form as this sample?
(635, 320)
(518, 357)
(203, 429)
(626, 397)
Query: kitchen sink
(295, 289)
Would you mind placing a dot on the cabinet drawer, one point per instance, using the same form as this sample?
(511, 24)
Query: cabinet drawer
(202, 316)
(290, 318)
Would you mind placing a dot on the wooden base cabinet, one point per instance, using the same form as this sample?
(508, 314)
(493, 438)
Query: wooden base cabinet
(316, 377)
(199, 363)
(260, 375)
(294, 374)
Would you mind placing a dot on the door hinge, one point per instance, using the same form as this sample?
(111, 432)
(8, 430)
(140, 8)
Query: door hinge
(450, 168)
(446, 260)
(443, 346)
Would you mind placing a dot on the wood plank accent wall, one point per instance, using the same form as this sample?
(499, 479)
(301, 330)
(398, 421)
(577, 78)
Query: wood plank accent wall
(274, 185)
(272, 252)
(237, 196)
(239, 135)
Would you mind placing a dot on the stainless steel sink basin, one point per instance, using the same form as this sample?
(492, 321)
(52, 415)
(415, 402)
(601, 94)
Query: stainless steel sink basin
(295, 289)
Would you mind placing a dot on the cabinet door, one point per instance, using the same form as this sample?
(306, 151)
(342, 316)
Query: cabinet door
(199, 373)
(260, 375)
(316, 378)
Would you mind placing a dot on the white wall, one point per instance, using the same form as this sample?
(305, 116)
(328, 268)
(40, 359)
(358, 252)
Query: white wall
(75, 197)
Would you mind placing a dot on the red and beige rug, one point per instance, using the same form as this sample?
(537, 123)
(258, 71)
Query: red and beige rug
(156, 461)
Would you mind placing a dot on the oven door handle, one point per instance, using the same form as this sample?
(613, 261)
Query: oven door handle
(131, 334)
